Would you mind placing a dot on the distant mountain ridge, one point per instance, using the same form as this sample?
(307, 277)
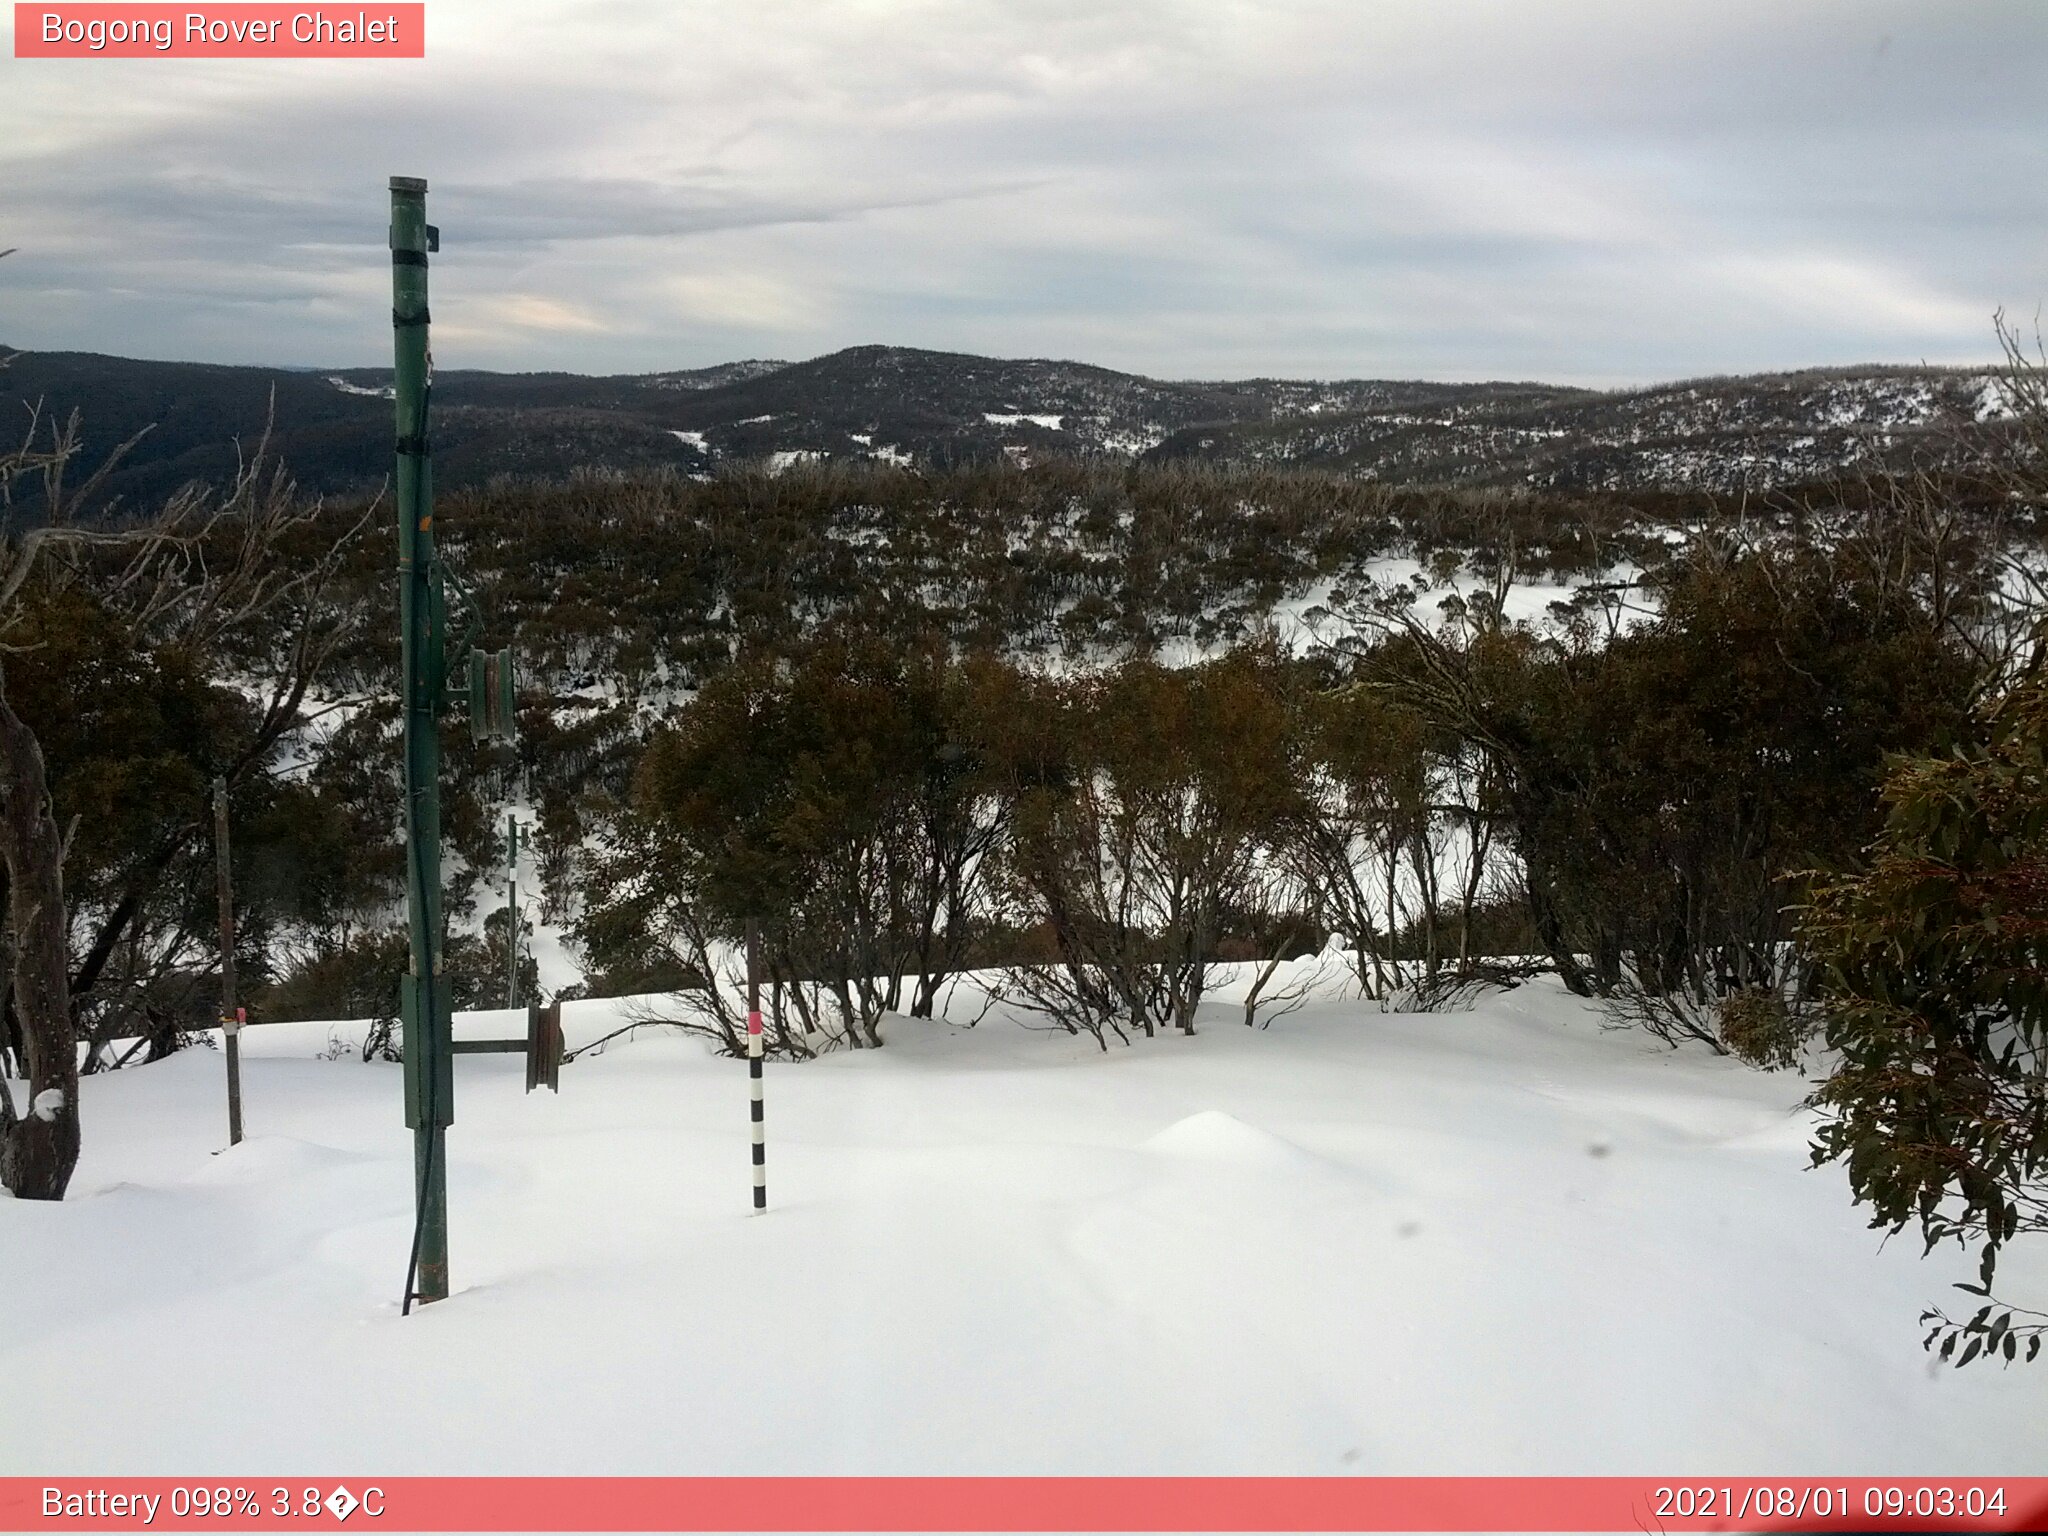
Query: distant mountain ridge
(933, 409)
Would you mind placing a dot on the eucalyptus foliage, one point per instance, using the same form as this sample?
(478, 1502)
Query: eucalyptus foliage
(1936, 958)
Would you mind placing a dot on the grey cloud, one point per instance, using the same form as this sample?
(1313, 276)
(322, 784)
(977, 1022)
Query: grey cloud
(564, 209)
(1575, 190)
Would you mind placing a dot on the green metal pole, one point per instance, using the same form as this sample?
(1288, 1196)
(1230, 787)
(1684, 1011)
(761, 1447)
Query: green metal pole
(429, 1074)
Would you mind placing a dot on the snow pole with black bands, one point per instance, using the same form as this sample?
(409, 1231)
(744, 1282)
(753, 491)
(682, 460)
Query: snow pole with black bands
(756, 1109)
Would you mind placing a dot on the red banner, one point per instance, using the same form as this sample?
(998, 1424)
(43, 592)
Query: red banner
(1629, 1504)
(372, 31)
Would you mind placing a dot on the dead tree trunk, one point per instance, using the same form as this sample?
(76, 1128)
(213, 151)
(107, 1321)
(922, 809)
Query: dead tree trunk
(38, 1141)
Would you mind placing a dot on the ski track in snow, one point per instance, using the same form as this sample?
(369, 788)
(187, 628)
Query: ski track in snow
(1499, 1241)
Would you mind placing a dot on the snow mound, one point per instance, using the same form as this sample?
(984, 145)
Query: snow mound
(1215, 1137)
(263, 1159)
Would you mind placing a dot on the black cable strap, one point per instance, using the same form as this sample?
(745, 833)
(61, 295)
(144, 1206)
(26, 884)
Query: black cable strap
(408, 258)
(405, 320)
(415, 447)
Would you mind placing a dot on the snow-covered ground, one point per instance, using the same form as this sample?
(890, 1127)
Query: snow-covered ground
(1491, 1242)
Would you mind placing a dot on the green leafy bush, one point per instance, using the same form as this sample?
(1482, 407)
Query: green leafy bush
(1759, 1027)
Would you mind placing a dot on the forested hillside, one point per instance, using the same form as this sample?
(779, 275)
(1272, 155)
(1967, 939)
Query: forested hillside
(1478, 706)
(939, 410)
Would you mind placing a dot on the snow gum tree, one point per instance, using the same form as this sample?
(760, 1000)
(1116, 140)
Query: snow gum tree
(1661, 789)
(839, 797)
(209, 585)
(1157, 800)
(1389, 796)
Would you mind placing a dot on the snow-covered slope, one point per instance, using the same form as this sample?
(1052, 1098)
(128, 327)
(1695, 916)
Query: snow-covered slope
(1721, 434)
(1502, 1241)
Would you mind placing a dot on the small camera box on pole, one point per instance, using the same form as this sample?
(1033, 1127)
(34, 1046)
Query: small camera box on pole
(493, 711)
(544, 1048)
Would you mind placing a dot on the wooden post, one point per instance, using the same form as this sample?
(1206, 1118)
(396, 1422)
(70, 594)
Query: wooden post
(230, 1015)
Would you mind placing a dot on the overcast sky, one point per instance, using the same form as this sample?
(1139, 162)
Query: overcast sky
(1557, 189)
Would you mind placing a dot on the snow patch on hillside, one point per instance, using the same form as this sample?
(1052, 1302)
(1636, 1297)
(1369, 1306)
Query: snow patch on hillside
(385, 392)
(1133, 441)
